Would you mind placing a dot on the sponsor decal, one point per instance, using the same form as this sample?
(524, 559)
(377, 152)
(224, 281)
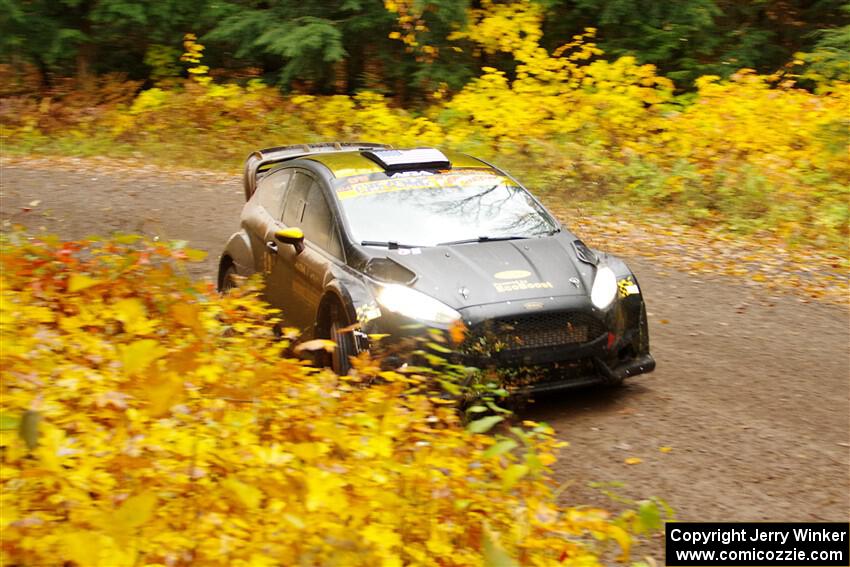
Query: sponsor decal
(512, 275)
(367, 312)
(358, 179)
(519, 285)
(627, 287)
(409, 174)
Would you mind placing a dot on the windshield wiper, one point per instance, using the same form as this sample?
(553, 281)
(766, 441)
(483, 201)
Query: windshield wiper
(391, 244)
(483, 239)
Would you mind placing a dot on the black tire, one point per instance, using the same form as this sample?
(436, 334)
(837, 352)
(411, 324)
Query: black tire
(227, 280)
(345, 347)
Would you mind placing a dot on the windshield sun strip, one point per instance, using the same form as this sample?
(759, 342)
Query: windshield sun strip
(394, 184)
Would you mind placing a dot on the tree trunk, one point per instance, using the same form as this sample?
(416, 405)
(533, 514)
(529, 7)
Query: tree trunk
(43, 72)
(340, 70)
(86, 52)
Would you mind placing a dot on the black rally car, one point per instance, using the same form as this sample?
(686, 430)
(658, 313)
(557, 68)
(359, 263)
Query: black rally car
(396, 240)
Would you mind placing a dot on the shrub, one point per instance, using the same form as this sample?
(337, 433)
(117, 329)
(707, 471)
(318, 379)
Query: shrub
(750, 153)
(146, 420)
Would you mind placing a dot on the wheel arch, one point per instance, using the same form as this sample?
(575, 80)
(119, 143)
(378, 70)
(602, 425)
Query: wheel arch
(237, 253)
(335, 293)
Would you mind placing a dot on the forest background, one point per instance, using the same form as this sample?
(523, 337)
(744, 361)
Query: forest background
(729, 115)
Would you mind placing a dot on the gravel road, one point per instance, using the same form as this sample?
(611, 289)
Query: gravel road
(751, 398)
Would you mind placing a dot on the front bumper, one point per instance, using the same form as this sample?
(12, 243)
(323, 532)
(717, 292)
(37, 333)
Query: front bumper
(592, 372)
(595, 347)
(565, 344)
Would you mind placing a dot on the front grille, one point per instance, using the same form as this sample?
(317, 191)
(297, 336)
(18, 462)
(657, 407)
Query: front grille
(538, 330)
(549, 376)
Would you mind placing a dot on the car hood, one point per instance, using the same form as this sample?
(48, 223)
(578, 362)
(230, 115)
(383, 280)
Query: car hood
(492, 272)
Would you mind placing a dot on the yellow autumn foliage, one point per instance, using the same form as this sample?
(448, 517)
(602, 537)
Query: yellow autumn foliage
(148, 421)
(751, 153)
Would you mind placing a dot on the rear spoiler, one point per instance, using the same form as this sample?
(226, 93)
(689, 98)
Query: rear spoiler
(260, 162)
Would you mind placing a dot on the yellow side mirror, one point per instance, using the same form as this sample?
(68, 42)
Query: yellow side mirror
(293, 236)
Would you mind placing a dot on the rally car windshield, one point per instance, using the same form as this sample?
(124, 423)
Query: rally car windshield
(450, 208)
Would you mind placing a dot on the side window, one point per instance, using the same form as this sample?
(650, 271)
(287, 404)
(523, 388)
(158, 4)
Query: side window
(296, 198)
(272, 190)
(318, 224)
(334, 245)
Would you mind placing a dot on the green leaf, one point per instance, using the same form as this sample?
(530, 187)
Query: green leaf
(512, 475)
(451, 388)
(28, 429)
(533, 461)
(484, 424)
(434, 360)
(501, 448)
(520, 433)
(439, 348)
(496, 408)
(195, 255)
(126, 238)
(9, 422)
(494, 555)
(649, 516)
(476, 409)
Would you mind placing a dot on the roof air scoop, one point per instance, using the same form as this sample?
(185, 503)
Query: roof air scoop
(406, 160)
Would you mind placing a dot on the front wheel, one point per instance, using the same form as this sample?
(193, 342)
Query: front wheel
(228, 280)
(342, 335)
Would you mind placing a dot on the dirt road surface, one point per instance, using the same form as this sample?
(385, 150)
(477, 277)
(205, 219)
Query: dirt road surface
(751, 394)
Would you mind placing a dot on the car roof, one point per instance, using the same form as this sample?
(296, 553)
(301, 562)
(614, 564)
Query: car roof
(350, 163)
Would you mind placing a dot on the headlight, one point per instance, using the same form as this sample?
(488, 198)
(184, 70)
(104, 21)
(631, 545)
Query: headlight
(604, 287)
(415, 305)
